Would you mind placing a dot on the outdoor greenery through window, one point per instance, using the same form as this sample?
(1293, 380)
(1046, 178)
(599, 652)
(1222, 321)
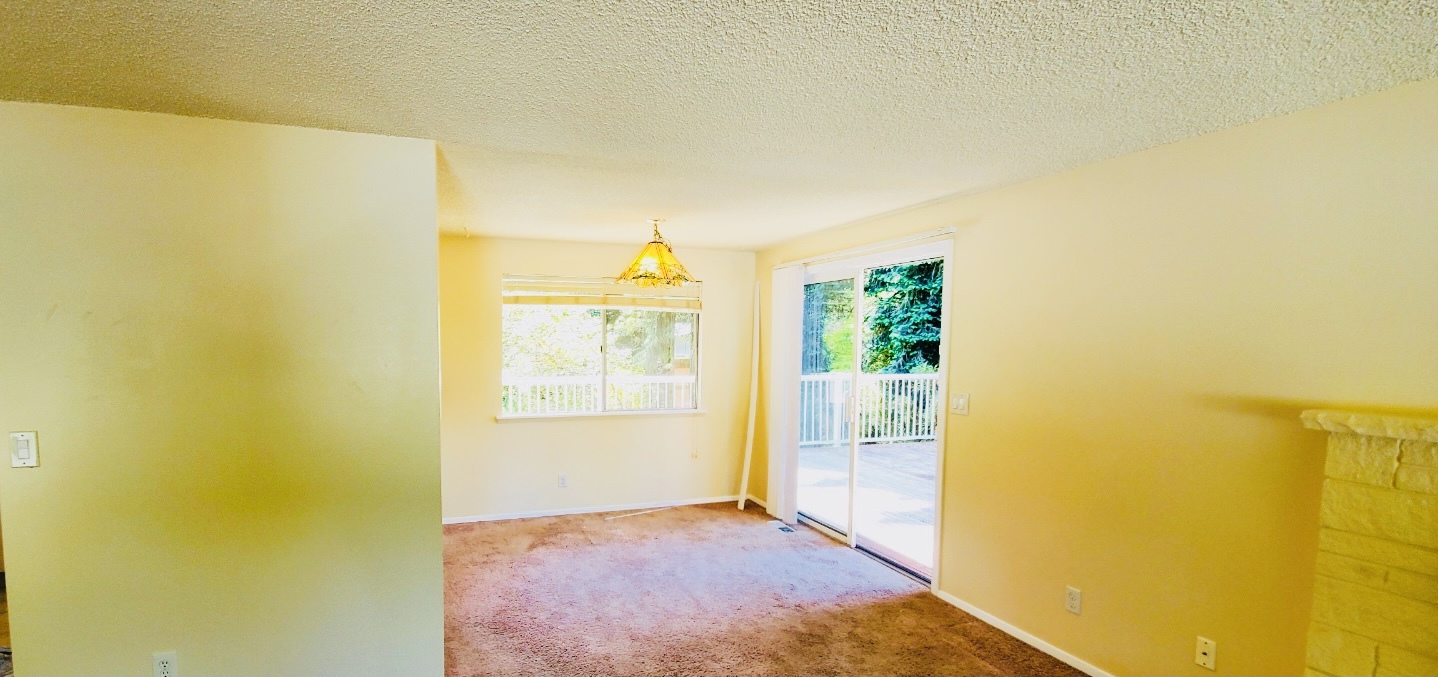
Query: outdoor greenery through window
(902, 318)
(902, 307)
(898, 383)
(561, 359)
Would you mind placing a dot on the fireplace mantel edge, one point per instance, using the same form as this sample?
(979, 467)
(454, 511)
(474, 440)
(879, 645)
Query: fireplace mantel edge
(1372, 425)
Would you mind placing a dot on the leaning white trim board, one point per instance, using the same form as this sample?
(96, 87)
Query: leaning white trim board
(753, 404)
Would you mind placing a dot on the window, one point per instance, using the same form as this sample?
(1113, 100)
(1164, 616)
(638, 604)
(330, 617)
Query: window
(591, 349)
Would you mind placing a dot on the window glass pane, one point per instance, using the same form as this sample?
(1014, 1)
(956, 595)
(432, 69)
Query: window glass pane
(829, 327)
(652, 359)
(824, 389)
(899, 407)
(902, 306)
(551, 360)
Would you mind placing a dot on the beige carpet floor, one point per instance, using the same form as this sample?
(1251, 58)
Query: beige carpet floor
(700, 590)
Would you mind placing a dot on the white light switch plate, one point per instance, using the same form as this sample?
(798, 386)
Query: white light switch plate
(24, 451)
(959, 404)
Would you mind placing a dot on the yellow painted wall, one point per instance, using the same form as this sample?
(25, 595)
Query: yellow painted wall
(226, 337)
(1139, 336)
(513, 467)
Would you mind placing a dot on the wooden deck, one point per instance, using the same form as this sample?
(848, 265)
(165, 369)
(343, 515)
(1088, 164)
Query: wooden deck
(894, 505)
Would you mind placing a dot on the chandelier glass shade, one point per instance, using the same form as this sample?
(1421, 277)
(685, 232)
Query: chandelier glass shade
(656, 265)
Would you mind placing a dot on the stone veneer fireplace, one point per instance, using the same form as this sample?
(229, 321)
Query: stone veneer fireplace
(1375, 595)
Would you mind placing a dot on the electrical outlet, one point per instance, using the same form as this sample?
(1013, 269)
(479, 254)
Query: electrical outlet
(1206, 653)
(563, 480)
(166, 664)
(1073, 601)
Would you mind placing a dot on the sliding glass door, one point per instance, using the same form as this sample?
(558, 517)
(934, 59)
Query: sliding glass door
(898, 405)
(826, 388)
(869, 403)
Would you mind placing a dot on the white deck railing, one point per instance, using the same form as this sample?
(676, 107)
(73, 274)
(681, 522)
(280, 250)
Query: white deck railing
(893, 408)
(531, 395)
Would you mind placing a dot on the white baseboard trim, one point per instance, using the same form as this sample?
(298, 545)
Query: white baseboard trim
(1074, 661)
(583, 511)
(755, 501)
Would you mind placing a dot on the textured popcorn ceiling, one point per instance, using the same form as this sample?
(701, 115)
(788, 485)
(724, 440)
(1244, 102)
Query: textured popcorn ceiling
(744, 123)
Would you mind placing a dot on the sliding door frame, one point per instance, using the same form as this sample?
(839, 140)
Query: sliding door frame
(843, 265)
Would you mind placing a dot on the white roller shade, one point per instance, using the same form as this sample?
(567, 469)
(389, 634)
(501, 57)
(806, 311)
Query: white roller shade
(598, 291)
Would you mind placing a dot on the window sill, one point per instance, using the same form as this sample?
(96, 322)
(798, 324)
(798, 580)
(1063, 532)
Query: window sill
(513, 418)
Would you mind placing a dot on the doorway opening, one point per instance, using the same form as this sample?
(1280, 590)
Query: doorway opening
(870, 395)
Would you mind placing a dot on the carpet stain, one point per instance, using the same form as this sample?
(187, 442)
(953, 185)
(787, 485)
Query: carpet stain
(698, 590)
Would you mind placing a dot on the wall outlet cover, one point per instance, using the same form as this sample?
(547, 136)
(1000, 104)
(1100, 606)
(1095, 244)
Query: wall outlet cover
(1206, 653)
(166, 664)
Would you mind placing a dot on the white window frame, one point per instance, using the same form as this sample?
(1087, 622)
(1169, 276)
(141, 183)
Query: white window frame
(604, 411)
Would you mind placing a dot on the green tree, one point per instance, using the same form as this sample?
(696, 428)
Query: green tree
(828, 343)
(551, 341)
(902, 317)
(646, 342)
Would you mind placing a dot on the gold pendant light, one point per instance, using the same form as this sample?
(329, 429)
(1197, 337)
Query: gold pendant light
(656, 265)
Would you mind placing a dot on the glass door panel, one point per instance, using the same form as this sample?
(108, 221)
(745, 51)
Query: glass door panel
(825, 387)
(898, 409)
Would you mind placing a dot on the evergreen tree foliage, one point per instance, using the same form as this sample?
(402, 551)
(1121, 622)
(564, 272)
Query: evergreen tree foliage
(901, 318)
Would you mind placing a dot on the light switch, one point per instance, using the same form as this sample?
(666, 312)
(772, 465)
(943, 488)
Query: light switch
(24, 452)
(959, 404)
